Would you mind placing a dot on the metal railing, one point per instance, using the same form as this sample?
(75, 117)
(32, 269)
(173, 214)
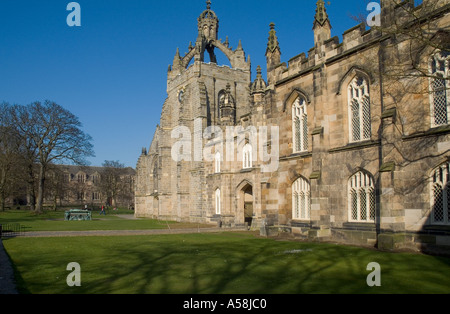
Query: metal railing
(10, 230)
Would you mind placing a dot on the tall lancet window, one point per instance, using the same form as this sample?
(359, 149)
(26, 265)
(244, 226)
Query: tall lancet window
(217, 160)
(300, 125)
(217, 202)
(247, 152)
(440, 195)
(359, 110)
(301, 200)
(439, 88)
(155, 176)
(361, 198)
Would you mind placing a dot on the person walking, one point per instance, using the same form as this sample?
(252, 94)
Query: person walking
(103, 210)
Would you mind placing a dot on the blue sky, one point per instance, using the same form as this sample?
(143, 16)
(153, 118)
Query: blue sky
(111, 71)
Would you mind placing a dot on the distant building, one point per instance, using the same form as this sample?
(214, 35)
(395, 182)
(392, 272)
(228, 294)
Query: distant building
(353, 161)
(83, 185)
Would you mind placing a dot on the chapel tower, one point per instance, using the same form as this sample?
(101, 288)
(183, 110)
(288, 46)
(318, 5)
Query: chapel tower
(201, 93)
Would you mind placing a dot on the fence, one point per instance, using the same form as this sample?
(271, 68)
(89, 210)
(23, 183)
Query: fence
(10, 230)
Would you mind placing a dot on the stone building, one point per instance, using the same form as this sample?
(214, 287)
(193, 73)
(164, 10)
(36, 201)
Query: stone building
(85, 185)
(332, 146)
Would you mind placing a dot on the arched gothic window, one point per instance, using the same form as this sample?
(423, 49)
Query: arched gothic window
(359, 110)
(301, 200)
(217, 160)
(155, 176)
(247, 156)
(81, 178)
(361, 196)
(440, 195)
(217, 202)
(439, 88)
(300, 125)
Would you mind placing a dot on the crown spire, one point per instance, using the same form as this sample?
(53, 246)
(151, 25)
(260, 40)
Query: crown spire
(208, 23)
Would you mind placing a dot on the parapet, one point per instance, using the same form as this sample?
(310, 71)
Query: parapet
(356, 38)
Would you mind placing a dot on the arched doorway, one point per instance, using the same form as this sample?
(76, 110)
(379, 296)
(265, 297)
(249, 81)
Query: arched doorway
(245, 203)
(248, 205)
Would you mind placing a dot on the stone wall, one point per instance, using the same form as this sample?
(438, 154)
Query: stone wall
(397, 158)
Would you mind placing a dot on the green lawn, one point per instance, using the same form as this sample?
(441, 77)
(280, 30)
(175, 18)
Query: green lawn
(54, 221)
(222, 263)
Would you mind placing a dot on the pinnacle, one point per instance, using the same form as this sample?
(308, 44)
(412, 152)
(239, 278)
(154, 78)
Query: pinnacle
(321, 12)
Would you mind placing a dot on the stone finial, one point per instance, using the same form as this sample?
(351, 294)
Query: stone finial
(273, 53)
(273, 39)
(322, 25)
(177, 60)
(321, 13)
(259, 85)
(208, 23)
(228, 88)
(239, 48)
(258, 71)
(227, 107)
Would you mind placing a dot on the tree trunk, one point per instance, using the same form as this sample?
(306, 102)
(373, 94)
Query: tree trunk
(2, 199)
(3, 191)
(114, 201)
(2, 202)
(55, 202)
(41, 184)
(31, 195)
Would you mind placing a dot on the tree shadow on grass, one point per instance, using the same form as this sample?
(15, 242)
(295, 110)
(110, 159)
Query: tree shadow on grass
(224, 264)
(266, 267)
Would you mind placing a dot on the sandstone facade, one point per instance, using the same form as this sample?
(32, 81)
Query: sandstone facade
(358, 157)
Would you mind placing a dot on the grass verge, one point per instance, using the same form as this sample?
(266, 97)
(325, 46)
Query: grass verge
(222, 263)
(54, 221)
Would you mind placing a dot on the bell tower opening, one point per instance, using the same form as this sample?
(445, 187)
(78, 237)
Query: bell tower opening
(207, 44)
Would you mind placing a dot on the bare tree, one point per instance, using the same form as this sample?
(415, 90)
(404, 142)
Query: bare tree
(23, 128)
(9, 155)
(408, 58)
(49, 134)
(111, 180)
(422, 33)
(117, 183)
(56, 186)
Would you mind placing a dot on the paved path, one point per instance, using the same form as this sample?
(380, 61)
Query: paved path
(7, 281)
(42, 234)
